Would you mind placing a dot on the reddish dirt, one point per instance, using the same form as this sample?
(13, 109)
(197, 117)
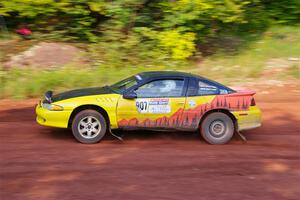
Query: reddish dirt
(47, 163)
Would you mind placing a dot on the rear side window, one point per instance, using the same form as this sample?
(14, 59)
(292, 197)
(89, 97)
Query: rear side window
(206, 89)
(201, 88)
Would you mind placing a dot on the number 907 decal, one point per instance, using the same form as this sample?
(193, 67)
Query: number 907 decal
(156, 106)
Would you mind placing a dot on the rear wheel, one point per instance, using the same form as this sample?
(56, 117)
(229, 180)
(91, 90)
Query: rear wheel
(217, 128)
(89, 126)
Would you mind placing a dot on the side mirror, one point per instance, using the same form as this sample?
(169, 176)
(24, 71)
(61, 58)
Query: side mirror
(130, 95)
(48, 96)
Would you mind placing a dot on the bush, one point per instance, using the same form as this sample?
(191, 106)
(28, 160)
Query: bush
(193, 21)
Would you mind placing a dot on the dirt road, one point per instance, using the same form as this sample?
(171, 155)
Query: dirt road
(46, 163)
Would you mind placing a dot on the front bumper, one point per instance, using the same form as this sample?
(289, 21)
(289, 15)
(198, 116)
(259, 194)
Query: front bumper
(248, 119)
(46, 117)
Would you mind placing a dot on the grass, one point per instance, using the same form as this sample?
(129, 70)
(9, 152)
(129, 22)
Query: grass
(247, 63)
(28, 83)
(277, 43)
(294, 71)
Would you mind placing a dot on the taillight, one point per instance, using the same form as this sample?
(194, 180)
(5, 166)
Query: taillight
(252, 102)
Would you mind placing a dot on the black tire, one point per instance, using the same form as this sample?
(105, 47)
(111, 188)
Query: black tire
(93, 132)
(217, 128)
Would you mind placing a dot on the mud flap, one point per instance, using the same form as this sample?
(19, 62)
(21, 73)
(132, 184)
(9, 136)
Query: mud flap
(118, 137)
(238, 134)
(241, 136)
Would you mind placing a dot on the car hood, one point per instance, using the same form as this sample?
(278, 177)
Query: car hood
(80, 93)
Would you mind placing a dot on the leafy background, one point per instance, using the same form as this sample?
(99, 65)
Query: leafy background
(223, 39)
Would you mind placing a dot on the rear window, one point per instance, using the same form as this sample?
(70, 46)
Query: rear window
(206, 89)
(202, 88)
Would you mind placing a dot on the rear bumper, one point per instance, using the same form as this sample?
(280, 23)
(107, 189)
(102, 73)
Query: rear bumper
(248, 119)
(46, 117)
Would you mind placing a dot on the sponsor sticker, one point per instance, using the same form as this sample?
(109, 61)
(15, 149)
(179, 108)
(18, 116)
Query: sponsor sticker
(155, 106)
(223, 91)
(192, 103)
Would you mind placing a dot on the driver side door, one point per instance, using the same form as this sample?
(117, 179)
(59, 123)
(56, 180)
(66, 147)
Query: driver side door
(158, 104)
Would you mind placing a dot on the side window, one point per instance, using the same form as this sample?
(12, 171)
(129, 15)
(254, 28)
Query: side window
(206, 89)
(201, 88)
(161, 88)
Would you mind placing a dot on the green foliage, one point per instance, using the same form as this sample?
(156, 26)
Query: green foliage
(118, 63)
(283, 11)
(276, 49)
(65, 17)
(179, 46)
(127, 36)
(198, 19)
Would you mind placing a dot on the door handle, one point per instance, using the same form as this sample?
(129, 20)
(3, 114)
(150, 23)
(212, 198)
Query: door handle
(180, 103)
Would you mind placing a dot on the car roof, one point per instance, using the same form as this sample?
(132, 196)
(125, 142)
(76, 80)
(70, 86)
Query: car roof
(165, 74)
(157, 74)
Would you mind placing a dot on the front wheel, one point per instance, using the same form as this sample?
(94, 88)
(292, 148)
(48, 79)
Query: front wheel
(217, 128)
(89, 126)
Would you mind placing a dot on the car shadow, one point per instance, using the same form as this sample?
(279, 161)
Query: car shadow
(153, 135)
(66, 134)
(53, 135)
(18, 115)
(59, 134)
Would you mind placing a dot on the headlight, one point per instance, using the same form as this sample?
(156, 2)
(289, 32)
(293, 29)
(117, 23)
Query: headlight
(52, 107)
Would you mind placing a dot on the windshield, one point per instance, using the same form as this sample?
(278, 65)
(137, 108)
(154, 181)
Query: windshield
(121, 86)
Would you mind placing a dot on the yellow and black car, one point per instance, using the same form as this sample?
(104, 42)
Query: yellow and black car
(160, 100)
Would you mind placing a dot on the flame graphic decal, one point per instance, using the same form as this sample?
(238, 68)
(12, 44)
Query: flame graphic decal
(190, 118)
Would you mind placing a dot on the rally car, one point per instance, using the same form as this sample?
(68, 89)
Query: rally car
(158, 100)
